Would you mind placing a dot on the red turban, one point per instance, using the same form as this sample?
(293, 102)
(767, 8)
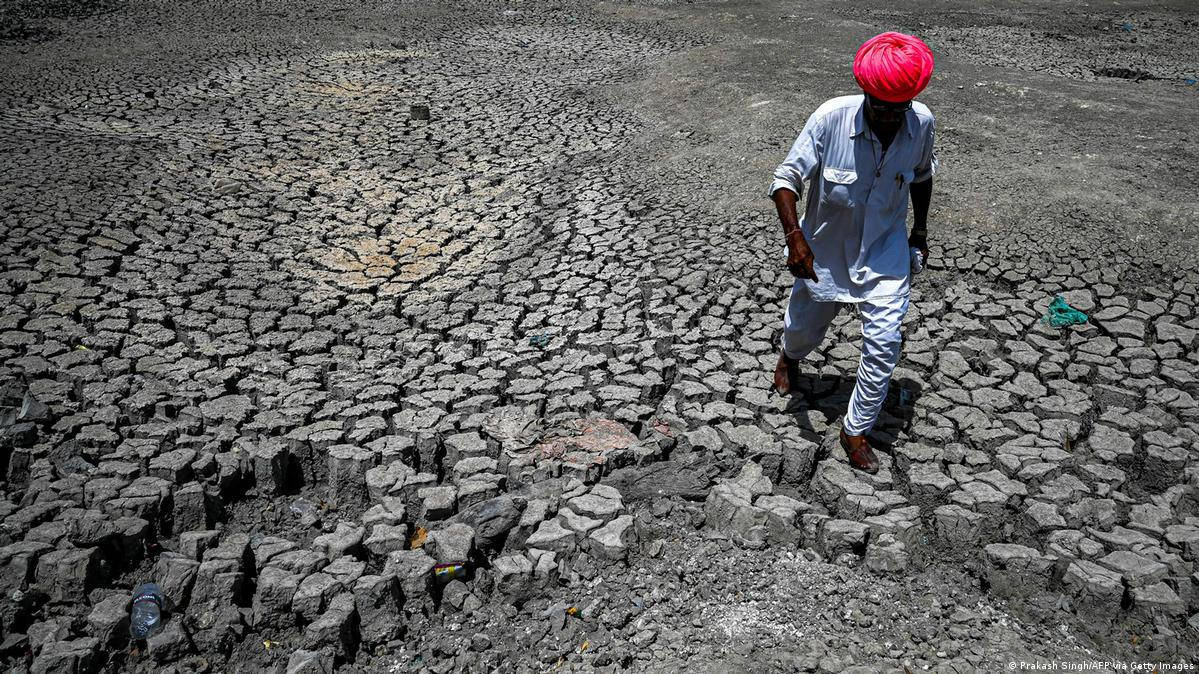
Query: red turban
(893, 67)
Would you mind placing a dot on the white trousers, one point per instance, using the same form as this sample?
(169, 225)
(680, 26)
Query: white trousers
(805, 324)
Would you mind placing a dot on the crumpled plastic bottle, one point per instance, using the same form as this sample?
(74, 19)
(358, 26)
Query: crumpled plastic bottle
(145, 616)
(306, 510)
(448, 571)
(917, 260)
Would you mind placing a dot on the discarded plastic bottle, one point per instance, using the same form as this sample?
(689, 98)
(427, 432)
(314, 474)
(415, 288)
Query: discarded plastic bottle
(306, 510)
(145, 617)
(448, 571)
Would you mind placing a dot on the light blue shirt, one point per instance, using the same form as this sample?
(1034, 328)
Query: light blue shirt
(855, 219)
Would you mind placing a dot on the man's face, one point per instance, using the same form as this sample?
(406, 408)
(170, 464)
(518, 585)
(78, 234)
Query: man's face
(884, 115)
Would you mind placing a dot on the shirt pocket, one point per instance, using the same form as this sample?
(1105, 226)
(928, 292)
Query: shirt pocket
(837, 187)
(903, 182)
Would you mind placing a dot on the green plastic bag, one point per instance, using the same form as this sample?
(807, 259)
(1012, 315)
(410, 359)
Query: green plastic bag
(1061, 314)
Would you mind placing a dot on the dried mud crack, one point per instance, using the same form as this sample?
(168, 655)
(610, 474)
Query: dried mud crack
(423, 337)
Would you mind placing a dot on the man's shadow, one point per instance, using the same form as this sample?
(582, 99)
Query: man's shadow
(829, 396)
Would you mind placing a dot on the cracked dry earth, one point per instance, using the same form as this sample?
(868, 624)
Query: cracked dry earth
(435, 337)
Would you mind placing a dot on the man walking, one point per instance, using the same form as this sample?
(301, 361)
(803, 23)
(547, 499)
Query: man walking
(863, 155)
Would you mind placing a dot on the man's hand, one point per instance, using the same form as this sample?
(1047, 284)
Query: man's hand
(799, 255)
(922, 194)
(919, 241)
(799, 258)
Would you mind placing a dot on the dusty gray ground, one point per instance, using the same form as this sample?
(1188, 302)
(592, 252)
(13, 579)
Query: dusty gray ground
(263, 331)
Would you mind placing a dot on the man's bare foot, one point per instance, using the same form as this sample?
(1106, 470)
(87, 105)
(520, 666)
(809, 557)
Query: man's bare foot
(785, 374)
(861, 456)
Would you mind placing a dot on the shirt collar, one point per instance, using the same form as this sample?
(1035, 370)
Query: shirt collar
(859, 121)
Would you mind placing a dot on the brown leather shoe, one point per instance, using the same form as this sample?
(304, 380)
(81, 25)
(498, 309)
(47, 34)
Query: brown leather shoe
(786, 372)
(861, 456)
